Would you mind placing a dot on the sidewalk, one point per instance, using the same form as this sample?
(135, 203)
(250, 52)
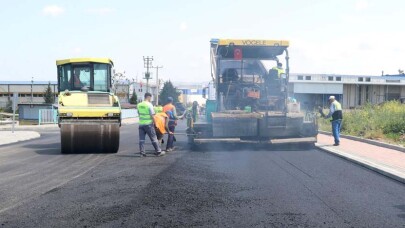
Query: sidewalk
(386, 161)
(7, 137)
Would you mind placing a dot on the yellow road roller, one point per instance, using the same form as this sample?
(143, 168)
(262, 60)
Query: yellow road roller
(89, 113)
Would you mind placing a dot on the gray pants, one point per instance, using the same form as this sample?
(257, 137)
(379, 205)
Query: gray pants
(150, 131)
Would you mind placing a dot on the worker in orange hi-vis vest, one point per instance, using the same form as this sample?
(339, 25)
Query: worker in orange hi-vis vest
(170, 110)
(161, 123)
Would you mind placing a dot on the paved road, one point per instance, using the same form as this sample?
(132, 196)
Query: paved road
(39, 187)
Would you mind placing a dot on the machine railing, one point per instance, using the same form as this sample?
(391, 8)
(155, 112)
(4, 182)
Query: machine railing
(213, 64)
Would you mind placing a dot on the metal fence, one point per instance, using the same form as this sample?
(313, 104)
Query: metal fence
(48, 116)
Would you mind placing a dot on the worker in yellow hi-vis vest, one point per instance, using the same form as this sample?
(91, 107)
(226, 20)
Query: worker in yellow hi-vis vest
(147, 126)
(279, 69)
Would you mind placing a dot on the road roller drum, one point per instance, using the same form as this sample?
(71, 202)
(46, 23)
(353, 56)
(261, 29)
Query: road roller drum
(88, 137)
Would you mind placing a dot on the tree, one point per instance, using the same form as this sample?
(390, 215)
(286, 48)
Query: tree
(9, 106)
(134, 98)
(168, 91)
(48, 95)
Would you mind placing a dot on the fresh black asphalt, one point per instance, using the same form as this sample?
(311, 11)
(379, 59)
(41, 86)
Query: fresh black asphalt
(232, 187)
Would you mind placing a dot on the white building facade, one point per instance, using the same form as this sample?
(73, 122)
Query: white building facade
(351, 90)
(28, 92)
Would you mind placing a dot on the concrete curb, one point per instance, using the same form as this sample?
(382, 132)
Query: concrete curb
(18, 136)
(369, 141)
(382, 169)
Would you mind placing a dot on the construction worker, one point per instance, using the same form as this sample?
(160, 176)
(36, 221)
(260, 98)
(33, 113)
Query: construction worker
(279, 69)
(191, 114)
(76, 79)
(146, 126)
(335, 111)
(161, 123)
(170, 110)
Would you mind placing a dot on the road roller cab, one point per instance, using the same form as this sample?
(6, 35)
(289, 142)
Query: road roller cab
(89, 114)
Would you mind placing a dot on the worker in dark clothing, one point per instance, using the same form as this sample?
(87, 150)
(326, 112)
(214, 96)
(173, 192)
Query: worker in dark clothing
(335, 111)
(170, 110)
(191, 114)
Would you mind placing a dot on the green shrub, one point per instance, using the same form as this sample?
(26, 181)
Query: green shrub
(385, 120)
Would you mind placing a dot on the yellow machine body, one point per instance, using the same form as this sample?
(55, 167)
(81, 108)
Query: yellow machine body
(89, 114)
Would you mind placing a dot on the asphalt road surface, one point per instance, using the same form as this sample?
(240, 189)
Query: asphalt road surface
(236, 187)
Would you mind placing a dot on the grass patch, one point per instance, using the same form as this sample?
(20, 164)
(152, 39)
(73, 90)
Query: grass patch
(384, 122)
(28, 122)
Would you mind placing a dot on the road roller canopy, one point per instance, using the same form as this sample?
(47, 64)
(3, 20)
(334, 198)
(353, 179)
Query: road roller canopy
(93, 74)
(249, 48)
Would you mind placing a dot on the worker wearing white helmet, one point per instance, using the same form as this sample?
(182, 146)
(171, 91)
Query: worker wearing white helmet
(335, 111)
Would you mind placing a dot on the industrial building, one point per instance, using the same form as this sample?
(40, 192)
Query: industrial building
(190, 93)
(28, 91)
(351, 90)
(311, 90)
(125, 90)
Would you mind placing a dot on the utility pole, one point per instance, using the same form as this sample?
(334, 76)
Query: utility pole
(157, 83)
(32, 94)
(147, 63)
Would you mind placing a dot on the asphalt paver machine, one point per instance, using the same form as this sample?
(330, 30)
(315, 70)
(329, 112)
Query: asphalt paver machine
(89, 113)
(249, 100)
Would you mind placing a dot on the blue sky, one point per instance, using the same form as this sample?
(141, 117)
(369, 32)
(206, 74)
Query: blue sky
(340, 37)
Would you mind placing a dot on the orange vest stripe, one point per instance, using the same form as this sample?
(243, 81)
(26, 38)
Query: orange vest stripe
(160, 122)
(168, 107)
